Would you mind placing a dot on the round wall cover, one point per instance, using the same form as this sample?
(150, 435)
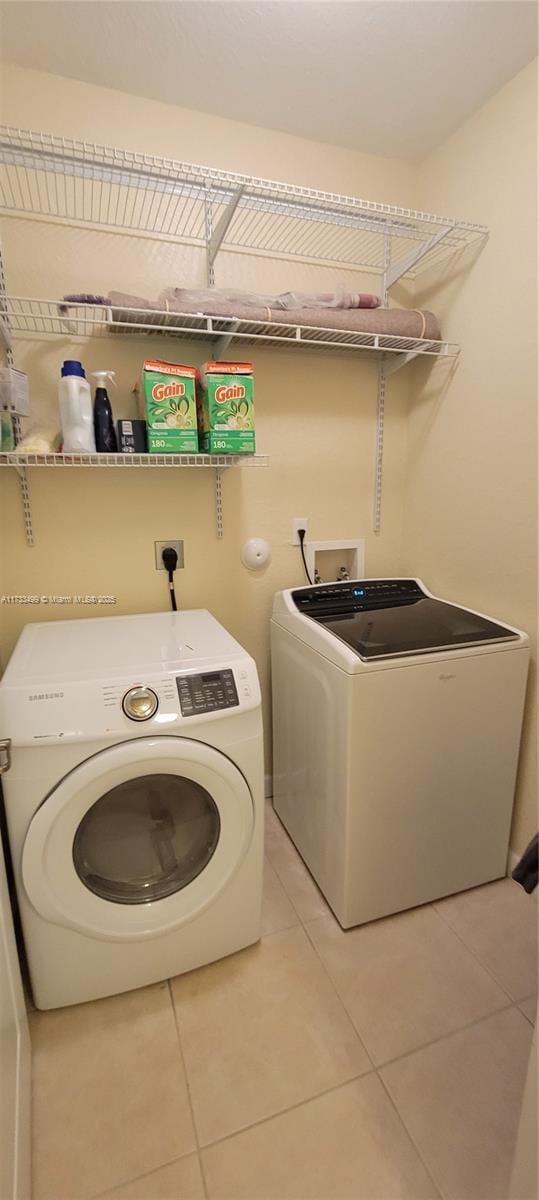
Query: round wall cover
(255, 553)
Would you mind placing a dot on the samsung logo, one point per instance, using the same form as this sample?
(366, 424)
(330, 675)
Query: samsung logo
(47, 696)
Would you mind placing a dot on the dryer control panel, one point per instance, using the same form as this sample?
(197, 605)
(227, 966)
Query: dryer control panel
(206, 692)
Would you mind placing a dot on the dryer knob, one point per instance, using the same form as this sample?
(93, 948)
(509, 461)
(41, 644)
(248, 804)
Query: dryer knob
(140, 704)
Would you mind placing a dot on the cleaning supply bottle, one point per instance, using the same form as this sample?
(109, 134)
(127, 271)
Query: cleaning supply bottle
(105, 433)
(76, 416)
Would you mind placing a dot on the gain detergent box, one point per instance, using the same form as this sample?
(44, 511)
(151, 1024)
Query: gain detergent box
(169, 407)
(226, 408)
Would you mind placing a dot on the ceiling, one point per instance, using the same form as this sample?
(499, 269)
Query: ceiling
(389, 77)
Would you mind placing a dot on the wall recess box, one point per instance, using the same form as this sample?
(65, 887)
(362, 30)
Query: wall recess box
(356, 545)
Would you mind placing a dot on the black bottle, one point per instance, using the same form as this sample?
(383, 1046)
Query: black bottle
(105, 434)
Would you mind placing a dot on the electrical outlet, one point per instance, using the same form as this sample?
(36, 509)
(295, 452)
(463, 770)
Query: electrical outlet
(160, 546)
(298, 523)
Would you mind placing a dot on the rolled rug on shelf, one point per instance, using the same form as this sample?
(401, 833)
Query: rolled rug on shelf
(394, 322)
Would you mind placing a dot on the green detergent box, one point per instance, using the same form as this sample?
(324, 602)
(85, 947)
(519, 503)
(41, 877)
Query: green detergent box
(226, 408)
(169, 396)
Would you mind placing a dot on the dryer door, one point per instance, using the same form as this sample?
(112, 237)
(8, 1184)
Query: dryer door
(138, 839)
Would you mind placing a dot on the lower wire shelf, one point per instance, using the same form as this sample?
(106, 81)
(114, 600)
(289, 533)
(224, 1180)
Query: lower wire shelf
(218, 462)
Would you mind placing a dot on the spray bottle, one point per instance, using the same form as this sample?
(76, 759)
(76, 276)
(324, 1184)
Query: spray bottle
(105, 433)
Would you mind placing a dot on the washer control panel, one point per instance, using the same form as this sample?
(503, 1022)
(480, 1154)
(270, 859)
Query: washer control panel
(206, 692)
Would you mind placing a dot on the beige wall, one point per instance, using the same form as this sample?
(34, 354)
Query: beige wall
(471, 472)
(316, 414)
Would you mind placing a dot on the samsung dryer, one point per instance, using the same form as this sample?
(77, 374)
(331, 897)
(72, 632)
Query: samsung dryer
(134, 799)
(396, 725)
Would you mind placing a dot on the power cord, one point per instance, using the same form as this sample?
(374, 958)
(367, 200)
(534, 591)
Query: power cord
(170, 562)
(301, 536)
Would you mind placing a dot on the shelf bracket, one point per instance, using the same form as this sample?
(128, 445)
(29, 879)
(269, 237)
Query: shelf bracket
(379, 449)
(219, 502)
(26, 505)
(221, 346)
(399, 268)
(400, 360)
(5, 335)
(218, 234)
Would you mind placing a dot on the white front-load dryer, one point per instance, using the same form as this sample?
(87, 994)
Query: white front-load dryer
(134, 799)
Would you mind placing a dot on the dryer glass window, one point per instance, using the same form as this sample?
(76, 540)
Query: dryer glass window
(146, 838)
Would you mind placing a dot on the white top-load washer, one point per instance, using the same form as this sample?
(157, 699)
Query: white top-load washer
(134, 799)
(396, 723)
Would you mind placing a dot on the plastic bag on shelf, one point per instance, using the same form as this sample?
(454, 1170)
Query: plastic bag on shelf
(39, 440)
(285, 301)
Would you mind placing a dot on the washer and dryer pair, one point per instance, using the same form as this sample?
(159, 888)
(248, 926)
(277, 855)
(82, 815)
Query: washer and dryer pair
(134, 799)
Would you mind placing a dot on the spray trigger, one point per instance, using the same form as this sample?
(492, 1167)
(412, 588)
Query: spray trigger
(102, 377)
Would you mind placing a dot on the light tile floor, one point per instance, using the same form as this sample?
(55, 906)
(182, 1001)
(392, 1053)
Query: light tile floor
(384, 1063)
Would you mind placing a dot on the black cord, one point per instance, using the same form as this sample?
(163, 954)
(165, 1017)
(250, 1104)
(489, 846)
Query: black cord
(174, 606)
(301, 535)
(170, 561)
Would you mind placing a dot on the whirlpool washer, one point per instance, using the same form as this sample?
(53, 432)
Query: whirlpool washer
(134, 799)
(396, 724)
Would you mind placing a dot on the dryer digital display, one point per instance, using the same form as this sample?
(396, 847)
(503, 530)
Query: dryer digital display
(207, 692)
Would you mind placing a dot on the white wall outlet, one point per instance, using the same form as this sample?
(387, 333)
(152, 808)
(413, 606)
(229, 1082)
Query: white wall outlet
(160, 546)
(299, 523)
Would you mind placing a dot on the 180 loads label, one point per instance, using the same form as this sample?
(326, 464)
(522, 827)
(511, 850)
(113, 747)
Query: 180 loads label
(225, 408)
(170, 407)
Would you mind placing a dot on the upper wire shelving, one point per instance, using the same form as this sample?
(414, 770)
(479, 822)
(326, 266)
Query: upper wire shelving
(49, 178)
(79, 182)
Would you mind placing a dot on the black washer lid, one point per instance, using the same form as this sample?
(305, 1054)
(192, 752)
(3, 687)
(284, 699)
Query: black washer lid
(391, 618)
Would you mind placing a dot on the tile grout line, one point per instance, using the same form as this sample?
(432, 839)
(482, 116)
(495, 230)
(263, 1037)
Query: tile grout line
(411, 1140)
(302, 920)
(444, 1037)
(188, 1087)
(473, 953)
(338, 995)
(430, 904)
(281, 1112)
(424, 1045)
(135, 1178)
(519, 1003)
(290, 901)
(511, 1003)
(288, 896)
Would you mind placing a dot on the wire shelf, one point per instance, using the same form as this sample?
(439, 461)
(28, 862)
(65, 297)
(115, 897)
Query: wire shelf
(220, 461)
(57, 318)
(62, 179)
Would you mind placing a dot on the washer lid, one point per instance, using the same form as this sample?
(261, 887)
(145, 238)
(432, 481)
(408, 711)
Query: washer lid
(138, 839)
(393, 618)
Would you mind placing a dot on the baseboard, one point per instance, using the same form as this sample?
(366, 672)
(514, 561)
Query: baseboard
(268, 786)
